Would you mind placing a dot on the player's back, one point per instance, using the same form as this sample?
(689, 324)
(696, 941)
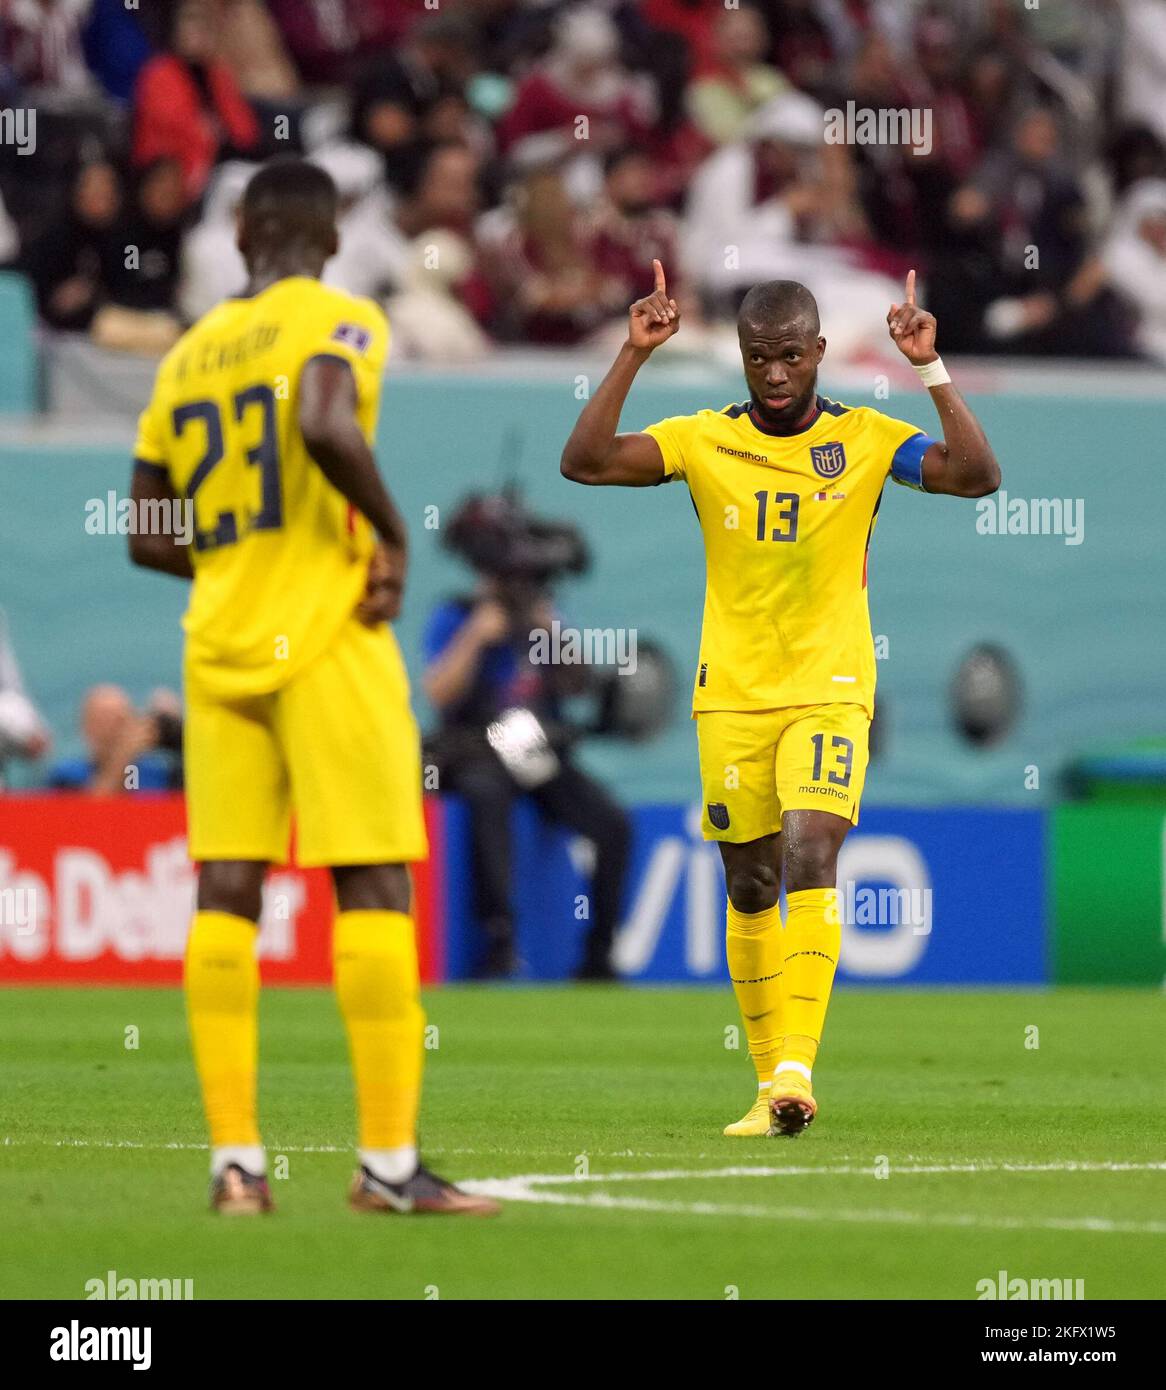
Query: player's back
(279, 557)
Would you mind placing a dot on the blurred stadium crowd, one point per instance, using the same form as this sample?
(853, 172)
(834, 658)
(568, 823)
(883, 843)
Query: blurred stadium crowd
(509, 167)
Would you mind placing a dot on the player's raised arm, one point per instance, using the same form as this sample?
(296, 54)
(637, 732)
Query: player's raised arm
(595, 453)
(328, 423)
(964, 464)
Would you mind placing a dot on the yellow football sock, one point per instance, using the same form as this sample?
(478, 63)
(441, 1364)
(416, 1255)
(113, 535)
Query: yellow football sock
(374, 956)
(222, 1006)
(753, 944)
(813, 937)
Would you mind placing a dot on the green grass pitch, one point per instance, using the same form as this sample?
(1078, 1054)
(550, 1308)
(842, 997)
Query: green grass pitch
(946, 1149)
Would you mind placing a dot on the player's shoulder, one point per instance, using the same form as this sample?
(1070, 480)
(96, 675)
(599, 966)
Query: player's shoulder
(208, 327)
(329, 301)
(712, 416)
(866, 419)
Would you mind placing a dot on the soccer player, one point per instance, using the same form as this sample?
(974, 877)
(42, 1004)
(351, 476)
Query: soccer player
(786, 487)
(297, 698)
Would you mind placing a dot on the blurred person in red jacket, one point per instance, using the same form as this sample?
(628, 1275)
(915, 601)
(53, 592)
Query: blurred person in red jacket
(581, 79)
(188, 106)
(541, 264)
(328, 38)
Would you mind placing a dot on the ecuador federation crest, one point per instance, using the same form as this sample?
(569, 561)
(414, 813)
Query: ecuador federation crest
(828, 459)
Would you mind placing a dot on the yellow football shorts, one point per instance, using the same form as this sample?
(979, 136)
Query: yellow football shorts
(338, 745)
(757, 764)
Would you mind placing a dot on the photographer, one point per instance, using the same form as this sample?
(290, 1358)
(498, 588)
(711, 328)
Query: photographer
(502, 734)
(126, 750)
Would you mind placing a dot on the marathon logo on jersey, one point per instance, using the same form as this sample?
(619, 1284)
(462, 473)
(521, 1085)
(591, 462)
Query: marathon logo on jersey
(718, 815)
(353, 336)
(828, 459)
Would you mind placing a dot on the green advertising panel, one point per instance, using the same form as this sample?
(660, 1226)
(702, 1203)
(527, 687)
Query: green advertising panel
(1108, 912)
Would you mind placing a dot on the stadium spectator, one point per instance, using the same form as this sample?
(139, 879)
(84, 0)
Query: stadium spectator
(151, 232)
(142, 275)
(211, 265)
(409, 98)
(735, 82)
(1037, 210)
(804, 47)
(69, 264)
(372, 257)
(627, 226)
(116, 47)
(771, 206)
(932, 83)
(429, 320)
(580, 80)
(40, 44)
(1134, 257)
(23, 733)
(328, 38)
(541, 263)
(187, 104)
(1143, 64)
(251, 44)
(126, 750)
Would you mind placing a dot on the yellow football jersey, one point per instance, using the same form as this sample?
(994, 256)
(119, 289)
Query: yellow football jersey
(787, 520)
(280, 558)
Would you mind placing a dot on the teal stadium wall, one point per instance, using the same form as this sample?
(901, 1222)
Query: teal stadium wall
(1076, 618)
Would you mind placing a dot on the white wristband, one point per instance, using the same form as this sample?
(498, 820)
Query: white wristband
(933, 373)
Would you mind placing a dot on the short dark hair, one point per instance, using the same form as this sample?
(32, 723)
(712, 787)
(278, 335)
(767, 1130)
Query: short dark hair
(777, 303)
(291, 199)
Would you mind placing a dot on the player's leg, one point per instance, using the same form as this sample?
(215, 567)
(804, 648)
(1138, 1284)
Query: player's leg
(353, 752)
(753, 950)
(742, 815)
(238, 820)
(822, 758)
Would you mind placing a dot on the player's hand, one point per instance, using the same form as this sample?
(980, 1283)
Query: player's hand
(653, 320)
(382, 592)
(912, 328)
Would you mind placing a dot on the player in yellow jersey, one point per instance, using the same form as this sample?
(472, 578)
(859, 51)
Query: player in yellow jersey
(787, 487)
(297, 699)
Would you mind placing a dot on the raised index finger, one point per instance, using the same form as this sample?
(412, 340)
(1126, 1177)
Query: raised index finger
(658, 271)
(911, 287)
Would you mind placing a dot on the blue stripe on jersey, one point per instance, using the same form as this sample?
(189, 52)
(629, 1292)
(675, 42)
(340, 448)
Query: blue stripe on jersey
(907, 465)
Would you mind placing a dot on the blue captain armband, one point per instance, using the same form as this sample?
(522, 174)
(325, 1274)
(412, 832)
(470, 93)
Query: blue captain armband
(907, 464)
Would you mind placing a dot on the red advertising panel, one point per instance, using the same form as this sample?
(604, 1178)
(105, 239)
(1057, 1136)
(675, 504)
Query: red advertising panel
(98, 890)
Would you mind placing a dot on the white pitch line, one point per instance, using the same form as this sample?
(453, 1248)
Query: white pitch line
(845, 1167)
(518, 1190)
(849, 1170)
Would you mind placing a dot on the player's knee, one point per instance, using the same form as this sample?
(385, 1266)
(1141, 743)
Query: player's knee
(372, 887)
(753, 888)
(234, 886)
